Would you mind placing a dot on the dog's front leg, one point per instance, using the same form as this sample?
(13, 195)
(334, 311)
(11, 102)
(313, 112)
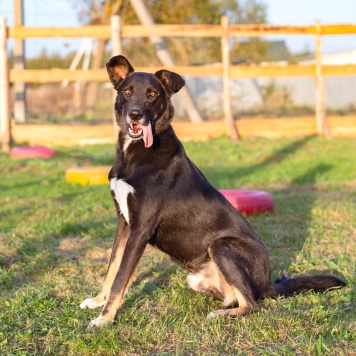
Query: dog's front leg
(122, 235)
(134, 249)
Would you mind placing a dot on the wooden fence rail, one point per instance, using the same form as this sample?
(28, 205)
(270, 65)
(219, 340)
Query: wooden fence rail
(222, 31)
(235, 72)
(138, 31)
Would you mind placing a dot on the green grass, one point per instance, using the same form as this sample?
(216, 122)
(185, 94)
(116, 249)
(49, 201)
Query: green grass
(55, 240)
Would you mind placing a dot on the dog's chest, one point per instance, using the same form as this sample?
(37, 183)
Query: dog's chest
(121, 191)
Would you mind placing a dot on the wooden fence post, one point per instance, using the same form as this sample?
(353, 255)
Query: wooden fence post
(5, 127)
(116, 49)
(20, 105)
(231, 129)
(321, 122)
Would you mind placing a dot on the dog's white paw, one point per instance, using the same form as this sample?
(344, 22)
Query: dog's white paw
(213, 315)
(90, 303)
(217, 313)
(98, 322)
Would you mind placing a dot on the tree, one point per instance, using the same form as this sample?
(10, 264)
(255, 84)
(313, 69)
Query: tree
(174, 11)
(250, 12)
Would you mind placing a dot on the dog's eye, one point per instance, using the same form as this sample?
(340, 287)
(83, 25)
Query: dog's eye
(127, 92)
(152, 93)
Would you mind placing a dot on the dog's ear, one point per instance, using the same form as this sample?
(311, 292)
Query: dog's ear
(172, 81)
(118, 68)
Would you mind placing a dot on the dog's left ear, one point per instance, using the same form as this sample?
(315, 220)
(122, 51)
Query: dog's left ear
(118, 68)
(172, 81)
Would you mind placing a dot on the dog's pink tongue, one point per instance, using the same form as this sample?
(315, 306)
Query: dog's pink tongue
(147, 135)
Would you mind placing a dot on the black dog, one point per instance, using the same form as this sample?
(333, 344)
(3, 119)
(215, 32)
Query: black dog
(163, 199)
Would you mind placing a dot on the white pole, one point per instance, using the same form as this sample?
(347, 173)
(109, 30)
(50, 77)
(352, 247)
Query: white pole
(76, 59)
(87, 55)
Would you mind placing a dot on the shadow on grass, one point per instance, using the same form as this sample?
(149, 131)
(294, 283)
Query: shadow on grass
(289, 228)
(28, 184)
(285, 231)
(36, 254)
(105, 157)
(214, 174)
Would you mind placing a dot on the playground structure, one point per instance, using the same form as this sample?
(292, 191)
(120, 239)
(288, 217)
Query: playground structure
(224, 69)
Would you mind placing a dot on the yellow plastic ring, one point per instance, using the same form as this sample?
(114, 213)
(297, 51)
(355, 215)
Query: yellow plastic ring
(95, 175)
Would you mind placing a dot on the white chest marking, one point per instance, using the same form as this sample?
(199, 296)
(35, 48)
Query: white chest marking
(121, 191)
(128, 140)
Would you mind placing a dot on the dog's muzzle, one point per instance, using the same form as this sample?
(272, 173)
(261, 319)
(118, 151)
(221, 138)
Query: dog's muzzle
(139, 127)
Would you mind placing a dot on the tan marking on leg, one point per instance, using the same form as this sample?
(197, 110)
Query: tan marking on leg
(230, 298)
(112, 310)
(210, 282)
(232, 295)
(113, 268)
(207, 278)
(111, 306)
(245, 307)
(101, 298)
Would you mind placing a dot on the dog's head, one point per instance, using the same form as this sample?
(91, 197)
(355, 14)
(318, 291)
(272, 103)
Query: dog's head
(143, 107)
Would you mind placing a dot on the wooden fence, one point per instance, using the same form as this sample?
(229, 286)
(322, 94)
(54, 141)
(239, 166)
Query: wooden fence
(117, 33)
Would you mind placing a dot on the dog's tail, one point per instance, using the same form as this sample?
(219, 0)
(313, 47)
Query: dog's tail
(287, 287)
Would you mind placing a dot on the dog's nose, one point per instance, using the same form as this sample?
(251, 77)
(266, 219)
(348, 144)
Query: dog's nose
(135, 114)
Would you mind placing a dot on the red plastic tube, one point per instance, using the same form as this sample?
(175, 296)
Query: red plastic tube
(249, 201)
(32, 152)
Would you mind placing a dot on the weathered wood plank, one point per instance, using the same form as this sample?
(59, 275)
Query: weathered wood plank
(340, 126)
(260, 30)
(236, 72)
(137, 31)
(345, 29)
(131, 31)
(339, 70)
(101, 32)
(56, 75)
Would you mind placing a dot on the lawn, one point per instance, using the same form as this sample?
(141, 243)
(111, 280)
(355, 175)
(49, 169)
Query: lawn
(55, 241)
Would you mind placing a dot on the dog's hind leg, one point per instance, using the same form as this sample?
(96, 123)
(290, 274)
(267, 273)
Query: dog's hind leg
(122, 235)
(234, 267)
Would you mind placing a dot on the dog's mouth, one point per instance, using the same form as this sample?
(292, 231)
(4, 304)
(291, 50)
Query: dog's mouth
(137, 131)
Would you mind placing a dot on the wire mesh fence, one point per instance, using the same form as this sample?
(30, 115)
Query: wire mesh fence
(78, 102)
